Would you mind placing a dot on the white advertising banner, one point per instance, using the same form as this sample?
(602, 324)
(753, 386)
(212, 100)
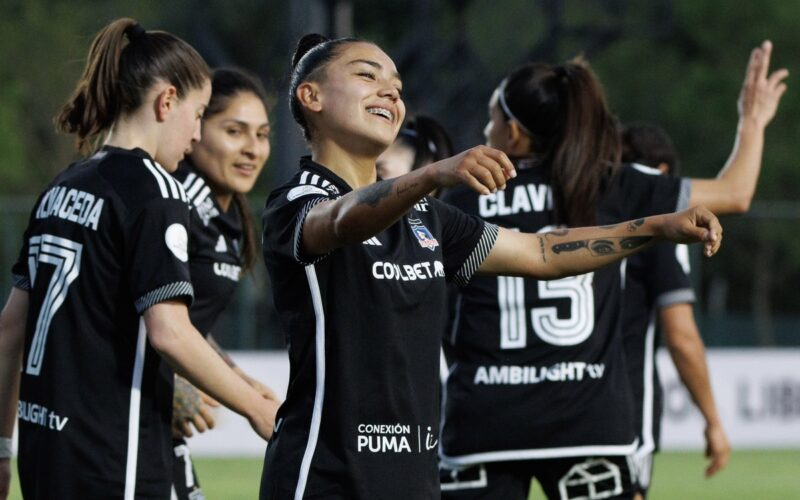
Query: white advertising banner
(757, 392)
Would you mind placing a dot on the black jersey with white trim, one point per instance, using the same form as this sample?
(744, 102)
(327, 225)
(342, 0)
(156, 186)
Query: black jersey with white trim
(657, 277)
(537, 368)
(361, 417)
(106, 240)
(215, 258)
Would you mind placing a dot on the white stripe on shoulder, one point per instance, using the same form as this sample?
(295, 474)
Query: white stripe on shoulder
(645, 169)
(315, 179)
(195, 187)
(188, 181)
(160, 180)
(169, 186)
(200, 198)
(304, 178)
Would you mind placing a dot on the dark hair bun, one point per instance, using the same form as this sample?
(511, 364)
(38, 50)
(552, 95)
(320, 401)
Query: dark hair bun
(306, 43)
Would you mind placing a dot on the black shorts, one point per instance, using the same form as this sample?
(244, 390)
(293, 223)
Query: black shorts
(185, 485)
(560, 478)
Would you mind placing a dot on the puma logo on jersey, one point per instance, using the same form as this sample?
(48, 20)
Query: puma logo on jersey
(221, 247)
(524, 198)
(73, 205)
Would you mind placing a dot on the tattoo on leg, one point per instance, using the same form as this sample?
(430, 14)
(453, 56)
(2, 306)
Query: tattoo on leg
(372, 195)
(634, 225)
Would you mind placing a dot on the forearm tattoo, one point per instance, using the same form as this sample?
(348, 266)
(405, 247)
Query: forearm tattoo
(372, 195)
(541, 247)
(186, 401)
(602, 247)
(635, 224)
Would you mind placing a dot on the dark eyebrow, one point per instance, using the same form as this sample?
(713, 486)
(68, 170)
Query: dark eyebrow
(375, 65)
(232, 121)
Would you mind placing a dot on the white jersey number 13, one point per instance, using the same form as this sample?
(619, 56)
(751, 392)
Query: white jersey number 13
(570, 330)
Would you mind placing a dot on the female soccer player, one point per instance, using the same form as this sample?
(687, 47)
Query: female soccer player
(101, 287)
(221, 169)
(359, 270)
(538, 385)
(421, 141)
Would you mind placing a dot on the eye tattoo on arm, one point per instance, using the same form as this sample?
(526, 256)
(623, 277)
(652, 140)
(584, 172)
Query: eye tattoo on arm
(372, 195)
(601, 247)
(634, 242)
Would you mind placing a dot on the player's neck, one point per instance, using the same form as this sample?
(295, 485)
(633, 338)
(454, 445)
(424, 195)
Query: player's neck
(357, 170)
(126, 133)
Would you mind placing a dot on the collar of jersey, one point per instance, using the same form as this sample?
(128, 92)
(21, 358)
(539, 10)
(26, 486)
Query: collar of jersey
(306, 163)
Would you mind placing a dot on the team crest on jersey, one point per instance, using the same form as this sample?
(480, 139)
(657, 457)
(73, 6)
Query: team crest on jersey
(423, 235)
(332, 189)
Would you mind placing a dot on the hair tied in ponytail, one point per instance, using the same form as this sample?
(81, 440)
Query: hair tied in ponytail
(135, 31)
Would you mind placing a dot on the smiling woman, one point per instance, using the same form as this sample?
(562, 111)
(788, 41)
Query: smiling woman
(359, 270)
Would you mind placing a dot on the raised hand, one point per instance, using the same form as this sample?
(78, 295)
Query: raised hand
(761, 91)
(482, 168)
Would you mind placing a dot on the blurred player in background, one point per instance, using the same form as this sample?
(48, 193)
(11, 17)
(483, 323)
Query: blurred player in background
(658, 302)
(421, 141)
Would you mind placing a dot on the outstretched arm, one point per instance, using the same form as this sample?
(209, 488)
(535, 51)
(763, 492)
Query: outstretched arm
(365, 212)
(172, 334)
(733, 189)
(12, 340)
(688, 353)
(567, 252)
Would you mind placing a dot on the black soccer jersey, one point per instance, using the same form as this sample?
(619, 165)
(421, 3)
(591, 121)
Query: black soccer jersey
(361, 417)
(537, 367)
(215, 257)
(655, 278)
(106, 240)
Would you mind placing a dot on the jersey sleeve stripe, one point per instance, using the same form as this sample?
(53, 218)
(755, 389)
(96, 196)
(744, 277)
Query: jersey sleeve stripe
(187, 182)
(21, 282)
(476, 258)
(166, 292)
(315, 179)
(680, 296)
(161, 183)
(304, 178)
(298, 233)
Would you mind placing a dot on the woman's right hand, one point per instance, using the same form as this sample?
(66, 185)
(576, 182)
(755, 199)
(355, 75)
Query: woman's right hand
(483, 169)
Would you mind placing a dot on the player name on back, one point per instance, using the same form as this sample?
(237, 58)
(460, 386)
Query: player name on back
(73, 205)
(524, 198)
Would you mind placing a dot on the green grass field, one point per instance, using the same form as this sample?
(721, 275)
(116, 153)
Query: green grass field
(761, 475)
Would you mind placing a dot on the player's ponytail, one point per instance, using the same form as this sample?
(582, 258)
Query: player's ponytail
(312, 54)
(123, 62)
(572, 132)
(590, 150)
